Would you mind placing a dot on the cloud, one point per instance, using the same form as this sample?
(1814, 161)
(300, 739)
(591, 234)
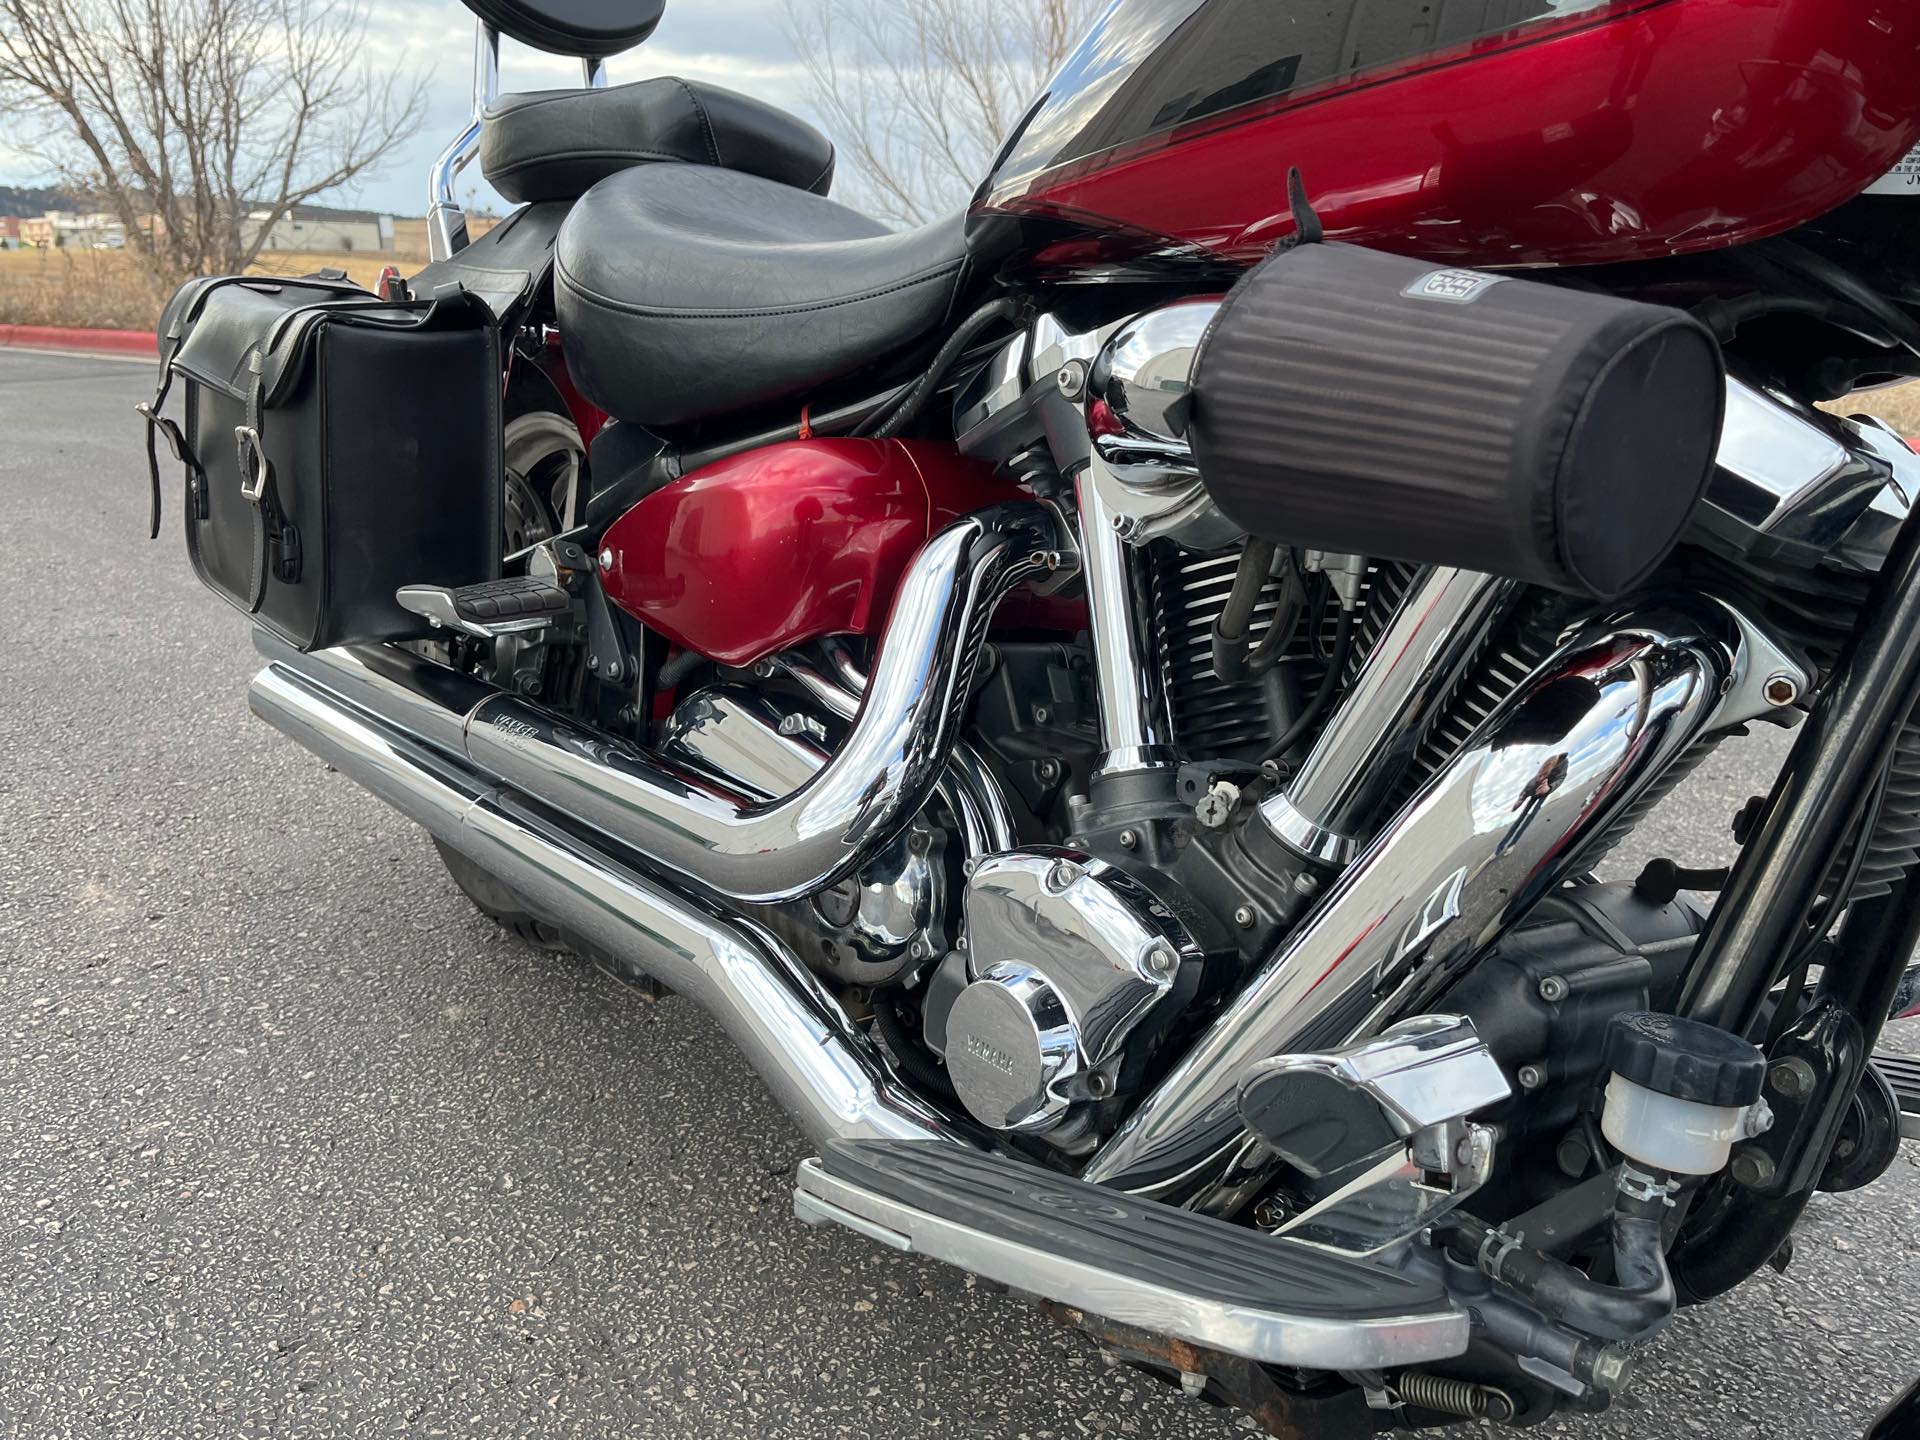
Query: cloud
(741, 44)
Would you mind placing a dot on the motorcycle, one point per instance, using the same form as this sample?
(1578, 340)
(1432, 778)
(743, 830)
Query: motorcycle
(1116, 700)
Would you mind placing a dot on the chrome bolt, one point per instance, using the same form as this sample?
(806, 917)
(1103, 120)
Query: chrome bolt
(1126, 526)
(1061, 875)
(919, 842)
(1752, 1168)
(1782, 689)
(972, 864)
(1553, 989)
(1531, 1077)
(1041, 714)
(1129, 839)
(919, 949)
(1612, 1368)
(1070, 377)
(606, 559)
(1162, 961)
(593, 663)
(1049, 770)
(1244, 917)
(1791, 1079)
(764, 670)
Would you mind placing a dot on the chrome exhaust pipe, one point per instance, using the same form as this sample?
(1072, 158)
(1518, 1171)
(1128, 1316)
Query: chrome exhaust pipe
(819, 1066)
(740, 847)
(1501, 825)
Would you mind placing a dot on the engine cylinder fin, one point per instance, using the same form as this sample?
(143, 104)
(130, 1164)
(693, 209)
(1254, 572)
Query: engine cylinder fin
(1212, 716)
(1894, 848)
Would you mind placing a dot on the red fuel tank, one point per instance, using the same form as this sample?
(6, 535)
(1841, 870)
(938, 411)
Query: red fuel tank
(787, 543)
(1484, 132)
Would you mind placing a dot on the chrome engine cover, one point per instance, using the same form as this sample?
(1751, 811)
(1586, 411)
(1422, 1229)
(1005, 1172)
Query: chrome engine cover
(872, 927)
(1068, 960)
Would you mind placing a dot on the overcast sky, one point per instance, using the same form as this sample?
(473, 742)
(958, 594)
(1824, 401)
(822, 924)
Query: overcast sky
(741, 44)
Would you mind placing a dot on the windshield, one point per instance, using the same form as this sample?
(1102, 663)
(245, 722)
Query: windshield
(1149, 67)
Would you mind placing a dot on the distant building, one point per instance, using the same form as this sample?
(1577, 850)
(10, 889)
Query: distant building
(73, 229)
(410, 236)
(10, 238)
(321, 227)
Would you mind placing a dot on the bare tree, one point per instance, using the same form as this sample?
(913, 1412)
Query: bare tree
(921, 93)
(199, 124)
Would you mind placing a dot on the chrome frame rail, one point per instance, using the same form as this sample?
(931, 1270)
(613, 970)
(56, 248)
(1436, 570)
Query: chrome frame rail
(446, 221)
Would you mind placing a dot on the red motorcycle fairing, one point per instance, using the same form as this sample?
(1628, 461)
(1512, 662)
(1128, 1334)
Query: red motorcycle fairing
(1523, 132)
(787, 543)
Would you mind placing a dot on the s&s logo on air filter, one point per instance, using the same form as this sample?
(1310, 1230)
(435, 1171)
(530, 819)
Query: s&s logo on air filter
(1454, 287)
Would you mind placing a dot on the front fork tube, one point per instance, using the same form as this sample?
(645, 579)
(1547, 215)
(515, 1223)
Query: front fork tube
(1822, 794)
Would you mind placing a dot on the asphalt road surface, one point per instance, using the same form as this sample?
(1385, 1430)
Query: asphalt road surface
(294, 1143)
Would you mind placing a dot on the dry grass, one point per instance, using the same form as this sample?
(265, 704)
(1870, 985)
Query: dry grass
(1898, 405)
(107, 288)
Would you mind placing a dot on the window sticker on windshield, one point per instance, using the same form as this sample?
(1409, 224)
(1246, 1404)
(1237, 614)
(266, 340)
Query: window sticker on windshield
(1903, 179)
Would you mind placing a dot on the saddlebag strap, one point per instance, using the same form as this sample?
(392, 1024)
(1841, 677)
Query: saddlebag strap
(256, 483)
(149, 410)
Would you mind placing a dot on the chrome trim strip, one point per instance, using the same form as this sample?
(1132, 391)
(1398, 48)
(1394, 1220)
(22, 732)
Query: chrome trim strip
(1275, 1338)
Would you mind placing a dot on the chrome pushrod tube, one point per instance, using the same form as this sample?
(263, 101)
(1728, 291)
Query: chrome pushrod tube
(770, 851)
(1498, 827)
(1330, 807)
(1136, 732)
(821, 1069)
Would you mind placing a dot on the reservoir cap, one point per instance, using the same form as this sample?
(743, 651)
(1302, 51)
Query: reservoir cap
(1684, 1059)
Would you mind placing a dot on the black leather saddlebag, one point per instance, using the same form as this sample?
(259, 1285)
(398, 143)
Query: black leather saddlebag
(1363, 403)
(336, 446)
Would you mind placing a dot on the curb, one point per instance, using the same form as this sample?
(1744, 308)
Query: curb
(61, 337)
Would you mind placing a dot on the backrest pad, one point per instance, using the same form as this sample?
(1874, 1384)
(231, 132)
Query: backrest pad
(593, 28)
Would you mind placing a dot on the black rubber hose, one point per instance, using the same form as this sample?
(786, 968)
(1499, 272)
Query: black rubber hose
(1839, 281)
(915, 400)
(1626, 1311)
(1323, 695)
(1229, 641)
(916, 1064)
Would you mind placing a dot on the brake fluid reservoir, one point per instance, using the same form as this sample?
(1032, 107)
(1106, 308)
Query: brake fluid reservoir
(1679, 1091)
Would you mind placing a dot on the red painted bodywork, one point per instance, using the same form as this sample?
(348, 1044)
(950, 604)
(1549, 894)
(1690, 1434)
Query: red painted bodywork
(787, 543)
(1641, 129)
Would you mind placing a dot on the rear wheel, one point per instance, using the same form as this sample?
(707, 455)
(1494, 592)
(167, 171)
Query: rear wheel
(544, 465)
(497, 902)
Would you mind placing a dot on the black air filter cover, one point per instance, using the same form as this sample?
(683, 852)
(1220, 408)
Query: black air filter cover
(1363, 403)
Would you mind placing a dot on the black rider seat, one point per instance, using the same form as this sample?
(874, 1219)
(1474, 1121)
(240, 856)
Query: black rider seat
(686, 292)
(554, 144)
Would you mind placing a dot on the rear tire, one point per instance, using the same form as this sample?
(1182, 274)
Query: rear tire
(544, 453)
(498, 903)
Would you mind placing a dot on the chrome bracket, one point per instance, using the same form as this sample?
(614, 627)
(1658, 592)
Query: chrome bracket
(1401, 1193)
